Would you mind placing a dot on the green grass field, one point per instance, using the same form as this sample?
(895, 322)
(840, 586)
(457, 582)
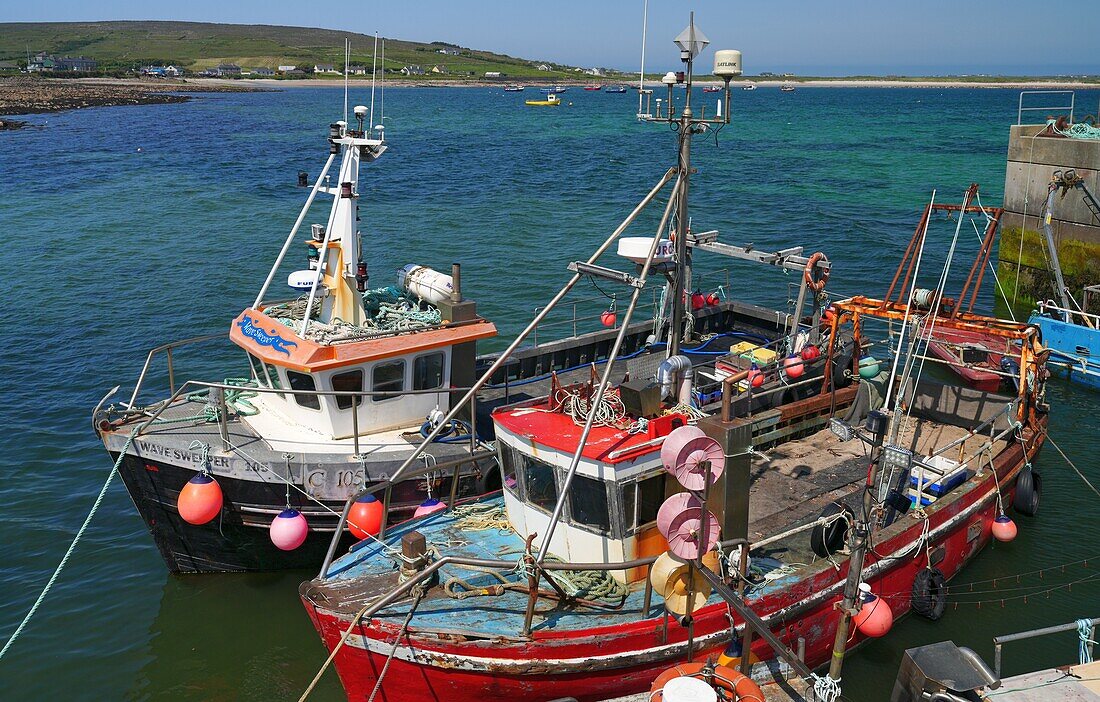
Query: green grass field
(196, 46)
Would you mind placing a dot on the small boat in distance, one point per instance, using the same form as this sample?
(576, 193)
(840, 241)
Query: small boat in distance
(555, 89)
(551, 100)
(712, 89)
(593, 86)
(749, 86)
(786, 88)
(615, 89)
(513, 88)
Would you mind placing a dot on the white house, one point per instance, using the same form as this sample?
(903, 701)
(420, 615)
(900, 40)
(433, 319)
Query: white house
(284, 69)
(412, 70)
(324, 68)
(544, 67)
(492, 74)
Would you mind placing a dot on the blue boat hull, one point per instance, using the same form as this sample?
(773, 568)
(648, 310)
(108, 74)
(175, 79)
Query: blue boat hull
(1075, 350)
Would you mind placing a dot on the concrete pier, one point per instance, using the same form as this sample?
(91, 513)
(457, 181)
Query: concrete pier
(1022, 255)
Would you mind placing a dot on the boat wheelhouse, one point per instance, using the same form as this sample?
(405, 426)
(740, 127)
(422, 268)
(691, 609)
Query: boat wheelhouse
(338, 385)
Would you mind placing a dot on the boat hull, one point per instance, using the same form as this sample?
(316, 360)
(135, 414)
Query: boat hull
(237, 540)
(597, 664)
(1075, 350)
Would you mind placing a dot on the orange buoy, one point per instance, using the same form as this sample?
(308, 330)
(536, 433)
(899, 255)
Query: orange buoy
(713, 299)
(810, 352)
(741, 687)
(755, 376)
(1004, 529)
(365, 517)
(608, 318)
(698, 301)
(875, 616)
(200, 500)
(429, 506)
(731, 657)
(792, 366)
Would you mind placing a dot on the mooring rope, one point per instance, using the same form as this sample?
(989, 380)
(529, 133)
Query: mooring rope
(1084, 633)
(1071, 464)
(72, 546)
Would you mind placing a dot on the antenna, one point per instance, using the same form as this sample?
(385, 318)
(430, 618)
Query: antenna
(347, 58)
(373, 71)
(641, 72)
(382, 94)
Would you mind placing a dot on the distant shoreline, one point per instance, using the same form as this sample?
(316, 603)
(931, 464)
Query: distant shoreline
(770, 83)
(23, 95)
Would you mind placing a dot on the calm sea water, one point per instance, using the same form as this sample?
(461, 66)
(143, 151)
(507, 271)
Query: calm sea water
(129, 227)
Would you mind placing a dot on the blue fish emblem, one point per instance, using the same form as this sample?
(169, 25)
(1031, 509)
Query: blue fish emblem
(249, 329)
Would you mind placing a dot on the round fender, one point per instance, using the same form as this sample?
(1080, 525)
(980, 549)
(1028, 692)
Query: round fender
(1029, 487)
(929, 593)
(828, 539)
(489, 479)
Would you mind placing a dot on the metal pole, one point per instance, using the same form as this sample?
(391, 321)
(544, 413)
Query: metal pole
(683, 255)
(321, 259)
(1052, 250)
(604, 381)
(293, 232)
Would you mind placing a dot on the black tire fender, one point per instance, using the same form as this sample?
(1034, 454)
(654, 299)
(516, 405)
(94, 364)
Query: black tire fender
(929, 597)
(828, 539)
(1029, 488)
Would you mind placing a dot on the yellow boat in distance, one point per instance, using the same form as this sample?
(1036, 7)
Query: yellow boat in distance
(549, 101)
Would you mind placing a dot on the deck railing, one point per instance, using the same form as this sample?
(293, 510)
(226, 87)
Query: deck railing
(999, 641)
(1045, 108)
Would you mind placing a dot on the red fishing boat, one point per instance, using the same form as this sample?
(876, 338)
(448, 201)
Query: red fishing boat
(816, 496)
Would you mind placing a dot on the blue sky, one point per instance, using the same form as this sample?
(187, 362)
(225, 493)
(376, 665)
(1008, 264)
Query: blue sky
(826, 37)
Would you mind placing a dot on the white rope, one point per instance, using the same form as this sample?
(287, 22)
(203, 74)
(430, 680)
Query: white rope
(72, 546)
(826, 689)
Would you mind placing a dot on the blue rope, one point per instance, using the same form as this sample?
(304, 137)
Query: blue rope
(1084, 630)
(450, 434)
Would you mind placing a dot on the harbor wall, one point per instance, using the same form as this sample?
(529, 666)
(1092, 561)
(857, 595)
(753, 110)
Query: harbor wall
(1022, 267)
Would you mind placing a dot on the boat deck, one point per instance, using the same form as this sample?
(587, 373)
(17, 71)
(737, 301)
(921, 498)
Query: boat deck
(790, 487)
(1075, 683)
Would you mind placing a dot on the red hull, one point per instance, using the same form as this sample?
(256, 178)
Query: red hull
(944, 346)
(598, 664)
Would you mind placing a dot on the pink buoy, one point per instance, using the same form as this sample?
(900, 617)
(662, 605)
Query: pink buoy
(811, 353)
(875, 616)
(429, 506)
(675, 442)
(672, 508)
(288, 529)
(696, 454)
(685, 533)
(792, 366)
(608, 318)
(200, 500)
(1004, 529)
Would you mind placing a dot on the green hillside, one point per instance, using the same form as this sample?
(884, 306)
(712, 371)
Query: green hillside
(198, 45)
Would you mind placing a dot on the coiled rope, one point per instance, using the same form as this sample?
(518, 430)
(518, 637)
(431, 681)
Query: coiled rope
(72, 546)
(1084, 633)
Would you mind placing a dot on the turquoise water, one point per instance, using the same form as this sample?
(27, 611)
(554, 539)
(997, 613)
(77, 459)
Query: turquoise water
(128, 227)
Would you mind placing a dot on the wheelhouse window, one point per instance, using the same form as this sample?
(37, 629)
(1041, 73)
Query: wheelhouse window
(428, 371)
(389, 378)
(508, 461)
(303, 381)
(588, 503)
(349, 381)
(642, 499)
(542, 491)
(257, 367)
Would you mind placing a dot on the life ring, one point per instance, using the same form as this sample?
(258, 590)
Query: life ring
(929, 593)
(1029, 487)
(827, 539)
(730, 684)
(819, 284)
